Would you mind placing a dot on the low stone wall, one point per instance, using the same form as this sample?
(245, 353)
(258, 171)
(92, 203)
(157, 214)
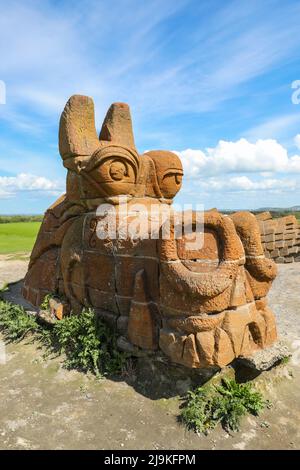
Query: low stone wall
(280, 237)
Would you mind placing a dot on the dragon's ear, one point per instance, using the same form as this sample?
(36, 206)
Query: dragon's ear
(77, 131)
(117, 126)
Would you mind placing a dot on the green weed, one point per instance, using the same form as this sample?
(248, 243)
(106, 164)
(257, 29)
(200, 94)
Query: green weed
(226, 404)
(45, 304)
(87, 343)
(285, 360)
(15, 322)
(4, 288)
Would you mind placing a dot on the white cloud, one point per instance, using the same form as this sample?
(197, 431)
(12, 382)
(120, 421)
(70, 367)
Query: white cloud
(297, 140)
(244, 183)
(294, 164)
(11, 185)
(4, 194)
(242, 156)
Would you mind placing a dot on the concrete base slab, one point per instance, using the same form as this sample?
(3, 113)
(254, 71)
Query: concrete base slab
(267, 358)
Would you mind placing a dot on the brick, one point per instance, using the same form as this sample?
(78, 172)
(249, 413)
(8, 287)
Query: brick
(284, 251)
(274, 253)
(262, 216)
(279, 230)
(270, 238)
(289, 236)
(58, 309)
(270, 246)
(269, 225)
(289, 259)
(269, 231)
(279, 244)
(289, 219)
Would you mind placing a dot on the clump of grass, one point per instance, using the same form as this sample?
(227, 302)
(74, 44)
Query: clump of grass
(226, 404)
(87, 343)
(4, 288)
(285, 360)
(15, 322)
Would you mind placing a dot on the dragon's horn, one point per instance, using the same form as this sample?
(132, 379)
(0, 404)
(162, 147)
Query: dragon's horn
(77, 131)
(117, 126)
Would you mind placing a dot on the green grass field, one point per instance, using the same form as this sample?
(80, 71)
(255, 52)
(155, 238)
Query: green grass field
(16, 237)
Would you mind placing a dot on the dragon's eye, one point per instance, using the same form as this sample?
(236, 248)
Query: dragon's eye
(178, 178)
(171, 183)
(172, 174)
(117, 170)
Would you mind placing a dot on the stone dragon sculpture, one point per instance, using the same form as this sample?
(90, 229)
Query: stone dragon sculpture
(202, 306)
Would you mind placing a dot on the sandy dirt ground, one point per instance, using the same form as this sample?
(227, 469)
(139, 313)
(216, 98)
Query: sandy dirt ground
(44, 406)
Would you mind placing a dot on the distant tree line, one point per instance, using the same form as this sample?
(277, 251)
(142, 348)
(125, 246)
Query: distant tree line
(275, 214)
(7, 219)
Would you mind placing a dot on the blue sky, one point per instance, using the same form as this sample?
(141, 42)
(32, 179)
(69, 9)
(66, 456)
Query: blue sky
(211, 80)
